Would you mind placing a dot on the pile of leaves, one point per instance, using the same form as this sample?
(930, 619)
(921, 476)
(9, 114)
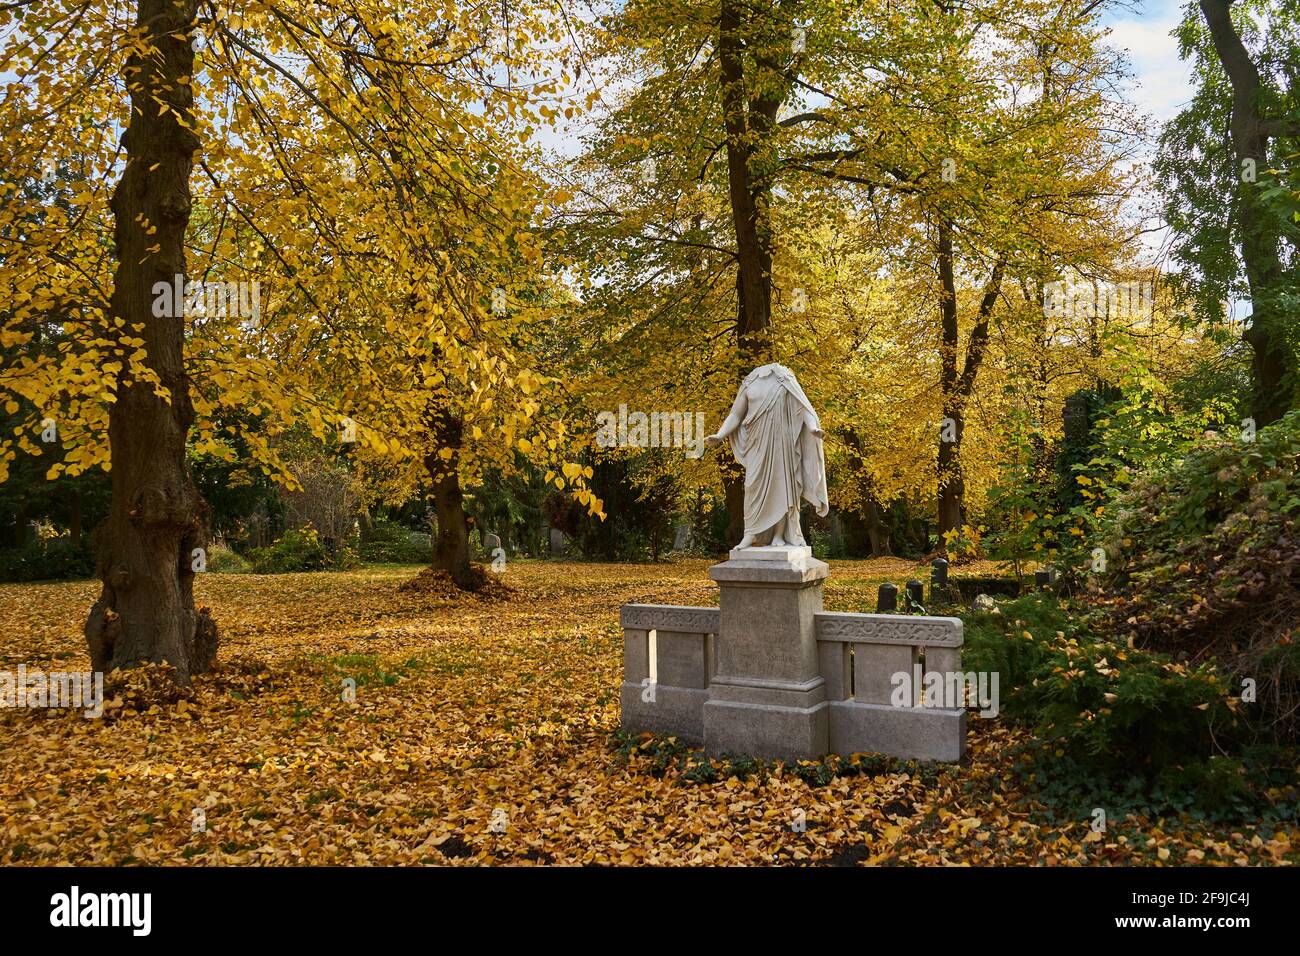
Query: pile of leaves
(144, 689)
(486, 585)
(1203, 560)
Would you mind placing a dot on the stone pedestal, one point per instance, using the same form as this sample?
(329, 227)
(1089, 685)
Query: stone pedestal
(767, 697)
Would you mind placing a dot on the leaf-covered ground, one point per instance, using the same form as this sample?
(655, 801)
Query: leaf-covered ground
(481, 733)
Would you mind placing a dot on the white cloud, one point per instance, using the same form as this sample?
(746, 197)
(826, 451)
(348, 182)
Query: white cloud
(1162, 83)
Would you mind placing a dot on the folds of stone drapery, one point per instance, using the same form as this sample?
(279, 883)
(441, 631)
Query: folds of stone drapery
(784, 462)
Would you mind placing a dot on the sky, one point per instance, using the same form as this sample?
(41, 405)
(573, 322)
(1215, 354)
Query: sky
(1160, 87)
(1162, 82)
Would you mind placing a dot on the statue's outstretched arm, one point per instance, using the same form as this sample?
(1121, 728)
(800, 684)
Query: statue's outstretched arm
(738, 409)
(814, 426)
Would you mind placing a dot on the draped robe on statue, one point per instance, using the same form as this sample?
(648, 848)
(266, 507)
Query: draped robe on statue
(784, 461)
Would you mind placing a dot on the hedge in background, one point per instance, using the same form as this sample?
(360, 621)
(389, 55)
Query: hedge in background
(299, 551)
(389, 542)
(57, 560)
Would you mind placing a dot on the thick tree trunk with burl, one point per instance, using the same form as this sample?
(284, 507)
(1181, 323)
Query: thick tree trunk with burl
(1273, 363)
(451, 544)
(145, 611)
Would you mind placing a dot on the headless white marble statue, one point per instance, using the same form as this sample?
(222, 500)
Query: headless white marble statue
(776, 436)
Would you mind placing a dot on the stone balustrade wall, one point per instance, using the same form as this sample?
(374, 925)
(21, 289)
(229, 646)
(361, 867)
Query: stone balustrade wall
(859, 656)
(669, 659)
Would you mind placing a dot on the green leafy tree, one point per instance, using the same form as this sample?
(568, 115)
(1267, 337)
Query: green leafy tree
(1240, 123)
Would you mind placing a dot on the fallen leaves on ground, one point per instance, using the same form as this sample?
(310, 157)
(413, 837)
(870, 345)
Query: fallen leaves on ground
(480, 733)
(487, 585)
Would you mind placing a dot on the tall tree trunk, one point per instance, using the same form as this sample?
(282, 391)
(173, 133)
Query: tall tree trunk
(733, 487)
(1273, 364)
(951, 481)
(882, 545)
(748, 122)
(956, 386)
(1042, 375)
(22, 525)
(874, 515)
(145, 610)
(451, 543)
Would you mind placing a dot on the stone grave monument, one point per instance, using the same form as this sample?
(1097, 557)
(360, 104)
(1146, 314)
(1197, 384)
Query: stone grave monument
(769, 673)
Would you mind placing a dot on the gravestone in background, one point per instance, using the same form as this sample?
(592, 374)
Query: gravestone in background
(683, 538)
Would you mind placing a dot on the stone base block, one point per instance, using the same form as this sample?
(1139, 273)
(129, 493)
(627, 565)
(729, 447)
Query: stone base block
(764, 730)
(678, 711)
(773, 566)
(786, 553)
(915, 733)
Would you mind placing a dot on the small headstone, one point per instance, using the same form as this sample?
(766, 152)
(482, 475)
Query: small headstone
(559, 541)
(915, 596)
(887, 598)
(1042, 579)
(939, 573)
(682, 538)
(491, 542)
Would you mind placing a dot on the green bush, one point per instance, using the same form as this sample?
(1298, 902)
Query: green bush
(1108, 705)
(1120, 726)
(225, 561)
(989, 646)
(1116, 708)
(389, 542)
(1147, 430)
(1203, 559)
(299, 551)
(1257, 787)
(54, 560)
